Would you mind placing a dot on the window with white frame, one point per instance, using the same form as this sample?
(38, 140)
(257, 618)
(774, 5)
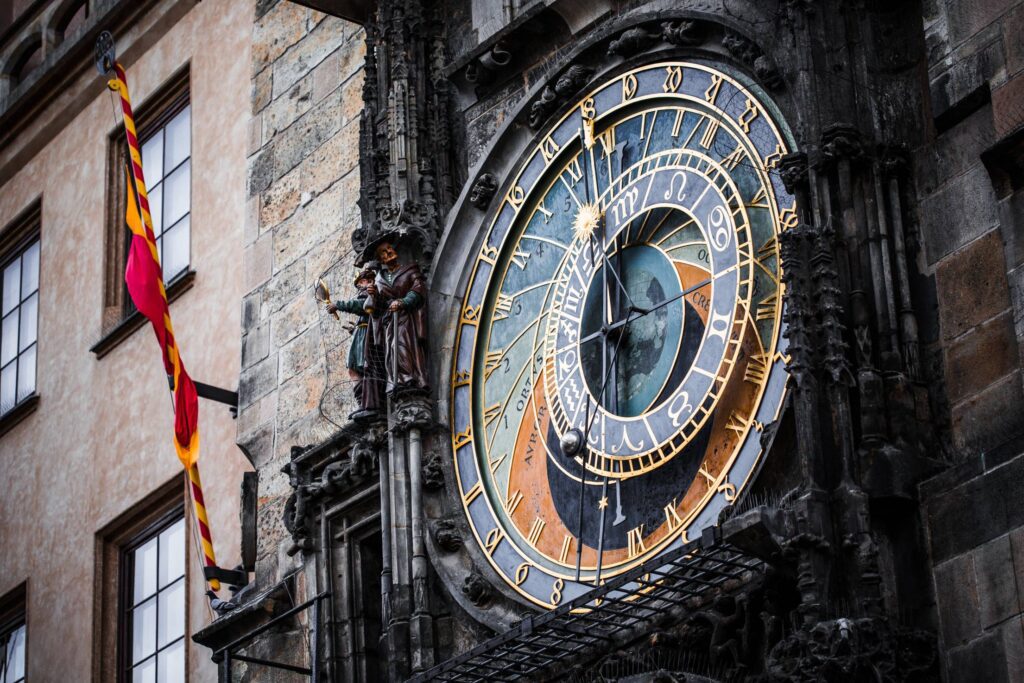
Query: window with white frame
(167, 165)
(19, 324)
(12, 652)
(153, 596)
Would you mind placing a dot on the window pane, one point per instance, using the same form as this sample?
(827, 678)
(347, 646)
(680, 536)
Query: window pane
(145, 672)
(29, 319)
(27, 373)
(15, 656)
(145, 571)
(178, 142)
(7, 379)
(12, 291)
(30, 270)
(172, 553)
(172, 664)
(171, 624)
(176, 194)
(9, 338)
(156, 208)
(175, 254)
(144, 630)
(153, 159)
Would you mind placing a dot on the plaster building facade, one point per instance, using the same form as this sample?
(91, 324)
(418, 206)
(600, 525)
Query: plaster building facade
(94, 491)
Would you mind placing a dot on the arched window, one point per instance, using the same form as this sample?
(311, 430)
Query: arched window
(70, 19)
(26, 60)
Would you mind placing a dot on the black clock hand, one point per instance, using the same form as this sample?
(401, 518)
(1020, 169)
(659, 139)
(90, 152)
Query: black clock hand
(641, 312)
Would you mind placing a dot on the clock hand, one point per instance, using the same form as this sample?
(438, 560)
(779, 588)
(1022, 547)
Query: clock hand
(641, 312)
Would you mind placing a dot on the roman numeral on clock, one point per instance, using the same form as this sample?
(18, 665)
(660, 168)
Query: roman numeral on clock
(503, 306)
(520, 257)
(491, 413)
(536, 529)
(635, 539)
(513, 501)
(733, 160)
(492, 363)
(574, 169)
(672, 517)
(737, 422)
(757, 369)
(563, 555)
(767, 307)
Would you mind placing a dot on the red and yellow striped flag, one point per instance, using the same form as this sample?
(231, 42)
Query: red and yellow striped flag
(145, 281)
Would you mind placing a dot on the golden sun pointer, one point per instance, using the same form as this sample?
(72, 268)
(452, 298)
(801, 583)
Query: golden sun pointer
(586, 221)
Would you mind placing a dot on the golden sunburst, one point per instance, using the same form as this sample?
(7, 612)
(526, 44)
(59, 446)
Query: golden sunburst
(586, 221)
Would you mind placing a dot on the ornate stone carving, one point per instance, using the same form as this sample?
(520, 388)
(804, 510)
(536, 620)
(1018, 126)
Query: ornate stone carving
(433, 474)
(798, 314)
(411, 411)
(631, 42)
(830, 309)
(477, 590)
(447, 536)
(747, 52)
(574, 78)
(483, 191)
(793, 170)
(684, 33)
(841, 141)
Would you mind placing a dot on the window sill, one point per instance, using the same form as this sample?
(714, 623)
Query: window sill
(18, 413)
(124, 329)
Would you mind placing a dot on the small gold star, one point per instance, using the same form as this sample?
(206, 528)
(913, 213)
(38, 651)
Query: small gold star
(603, 503)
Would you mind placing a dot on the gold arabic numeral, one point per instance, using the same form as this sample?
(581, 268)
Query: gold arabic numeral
(494, 537)
(503, 306)
(673, 78)
(520, 257)
(516, 196)
(563, 555)
(711, 94)
(728, 490)
(461, 378)
(733, 160)
(522, 571)
(496, 463)
(462, 438)
(788, 218)
(574, 169)
(772, 160)
(489, 254)
(549, 148)
(587, 110)
(536, 529)
(757, 369)
(737, 422)
(471, 494)
(748, 115)
(767, 308)
(635, 538)
(710, 131)
(672, 516)
(513, 501)
(759, 200)
(491, 413)
(556, 592)
(709, 478)
(492, 362)
(628, 87)
(677, 125)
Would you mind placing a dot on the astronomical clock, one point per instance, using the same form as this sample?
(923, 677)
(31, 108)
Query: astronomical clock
(620, 347)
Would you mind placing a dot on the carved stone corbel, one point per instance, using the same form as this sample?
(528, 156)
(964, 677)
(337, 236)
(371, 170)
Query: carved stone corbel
(568, 84)
(483, 190)
(684, 33)
(631, 41)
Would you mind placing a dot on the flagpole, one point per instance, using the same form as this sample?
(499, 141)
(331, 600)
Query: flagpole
(120, 84)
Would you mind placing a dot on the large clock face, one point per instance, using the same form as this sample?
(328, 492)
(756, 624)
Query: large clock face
(628, 293)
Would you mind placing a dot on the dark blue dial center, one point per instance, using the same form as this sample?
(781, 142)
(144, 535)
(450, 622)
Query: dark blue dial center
(634, 336)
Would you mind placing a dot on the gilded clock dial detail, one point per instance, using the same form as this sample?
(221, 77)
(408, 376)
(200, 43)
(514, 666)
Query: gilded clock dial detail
(628, 291)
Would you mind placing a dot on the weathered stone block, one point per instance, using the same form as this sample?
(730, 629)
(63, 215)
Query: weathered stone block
(261, 171)
(326, 76)
(967, 18)
(980, 357)
(351, 99)
(980, 660)
(961, 519)
(1013, 29)
(314, 128)
(957, 596)
(284, 286)
(279, 201)
(276, 31)
(299, 397)
(1008, 105)
(256, 344)
(332, 160)
(991, 417)
(294, 317)
(954, 152)
(262, 90)
(258, 445)
(309, 52)
(972, 285)
(257, 380)
(997, 582)
(283, 111)
(309, 228)
(257, 262)
(300, 353)
(1013, 647)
